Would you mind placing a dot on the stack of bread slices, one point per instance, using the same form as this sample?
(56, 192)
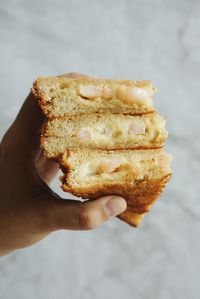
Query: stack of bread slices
(107, 138)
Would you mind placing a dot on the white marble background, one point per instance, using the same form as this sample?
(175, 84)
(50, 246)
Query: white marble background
(157, 40)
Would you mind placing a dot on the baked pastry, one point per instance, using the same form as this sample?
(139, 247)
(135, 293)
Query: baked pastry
(137, 175)
(103, 131)
(60, 96)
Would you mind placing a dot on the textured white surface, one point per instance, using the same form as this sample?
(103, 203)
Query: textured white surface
(156, 40)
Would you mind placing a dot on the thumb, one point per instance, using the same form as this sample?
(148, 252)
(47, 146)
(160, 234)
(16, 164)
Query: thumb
(76, 215)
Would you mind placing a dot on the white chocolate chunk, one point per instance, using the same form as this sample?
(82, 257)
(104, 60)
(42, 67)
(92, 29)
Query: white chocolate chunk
(132, 95)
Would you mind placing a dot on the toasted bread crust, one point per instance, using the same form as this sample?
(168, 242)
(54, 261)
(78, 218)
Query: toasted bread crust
(131, 217)
(40, 98)
(139, 197)
(106, 149)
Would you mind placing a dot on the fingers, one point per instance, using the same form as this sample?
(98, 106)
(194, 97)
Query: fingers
(77, 75)
(46, 168)
(87, 215)
(74, 75)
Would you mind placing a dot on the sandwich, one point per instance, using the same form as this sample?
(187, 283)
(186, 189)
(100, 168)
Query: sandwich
(60, 96)
(107, 138)
(103, 131)
(137, 175)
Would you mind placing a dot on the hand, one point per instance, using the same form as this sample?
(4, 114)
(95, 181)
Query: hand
(29, 209)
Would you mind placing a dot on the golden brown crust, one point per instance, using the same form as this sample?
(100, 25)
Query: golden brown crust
(61, 157)
(57, 157)
(139, 197)
(131, 217)
(40, 97)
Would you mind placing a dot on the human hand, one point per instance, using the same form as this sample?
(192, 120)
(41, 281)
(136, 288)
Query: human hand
(29, 209)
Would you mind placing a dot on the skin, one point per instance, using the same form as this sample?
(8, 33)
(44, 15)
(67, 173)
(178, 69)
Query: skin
(29, 209)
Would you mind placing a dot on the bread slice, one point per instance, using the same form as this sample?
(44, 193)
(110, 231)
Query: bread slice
(137, 175)
(103, 131)
(60, 96)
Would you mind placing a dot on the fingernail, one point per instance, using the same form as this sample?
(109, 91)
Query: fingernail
(115, 205)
